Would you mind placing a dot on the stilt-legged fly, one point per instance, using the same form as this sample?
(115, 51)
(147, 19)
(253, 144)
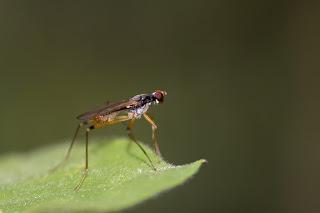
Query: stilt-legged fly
(112, 113)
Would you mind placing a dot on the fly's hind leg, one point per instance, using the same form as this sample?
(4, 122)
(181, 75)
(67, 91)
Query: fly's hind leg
(131, 136)
(86, 166)
(66, 157)
(100, 124)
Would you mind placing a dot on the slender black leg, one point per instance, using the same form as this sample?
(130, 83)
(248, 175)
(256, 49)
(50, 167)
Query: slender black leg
(70, 148)
(131, 136)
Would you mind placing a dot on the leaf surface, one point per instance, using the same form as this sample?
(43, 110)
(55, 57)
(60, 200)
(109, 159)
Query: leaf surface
(119, 177)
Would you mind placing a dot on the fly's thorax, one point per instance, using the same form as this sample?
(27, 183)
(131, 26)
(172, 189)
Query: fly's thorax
(143, 99)
(139, 111)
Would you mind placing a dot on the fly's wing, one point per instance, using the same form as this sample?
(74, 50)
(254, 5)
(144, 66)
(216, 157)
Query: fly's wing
(107, 109)
(92, 113)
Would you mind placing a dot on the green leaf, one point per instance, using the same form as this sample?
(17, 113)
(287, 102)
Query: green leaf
(119, 177)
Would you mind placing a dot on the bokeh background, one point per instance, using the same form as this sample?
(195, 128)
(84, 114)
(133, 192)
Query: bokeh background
(241, 78)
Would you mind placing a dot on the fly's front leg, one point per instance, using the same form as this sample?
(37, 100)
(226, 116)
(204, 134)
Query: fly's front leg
(154, 133)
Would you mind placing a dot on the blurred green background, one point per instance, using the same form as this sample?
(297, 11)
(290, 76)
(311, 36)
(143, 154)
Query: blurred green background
(240, 77)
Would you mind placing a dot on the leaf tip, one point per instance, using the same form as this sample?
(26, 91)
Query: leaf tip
(203, 161)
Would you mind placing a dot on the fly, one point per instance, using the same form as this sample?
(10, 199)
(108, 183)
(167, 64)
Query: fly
(112, 113)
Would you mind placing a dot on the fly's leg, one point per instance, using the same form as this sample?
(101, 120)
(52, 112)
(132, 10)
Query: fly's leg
(100, 124)
(129, 129)
(69, 149)
(131, 136)
(154, 133)
(86, 166)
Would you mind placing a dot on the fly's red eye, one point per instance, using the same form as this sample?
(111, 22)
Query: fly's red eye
(158, 96)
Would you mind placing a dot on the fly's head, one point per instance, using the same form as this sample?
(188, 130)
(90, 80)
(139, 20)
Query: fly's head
(158, 96)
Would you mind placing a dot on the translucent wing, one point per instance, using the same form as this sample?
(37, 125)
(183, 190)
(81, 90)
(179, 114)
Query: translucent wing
(107, 109)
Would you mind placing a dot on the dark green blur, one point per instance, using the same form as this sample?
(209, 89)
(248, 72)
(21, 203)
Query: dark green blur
(235, 73)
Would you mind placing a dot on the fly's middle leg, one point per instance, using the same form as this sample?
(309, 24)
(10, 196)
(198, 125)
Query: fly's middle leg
(131, 136)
